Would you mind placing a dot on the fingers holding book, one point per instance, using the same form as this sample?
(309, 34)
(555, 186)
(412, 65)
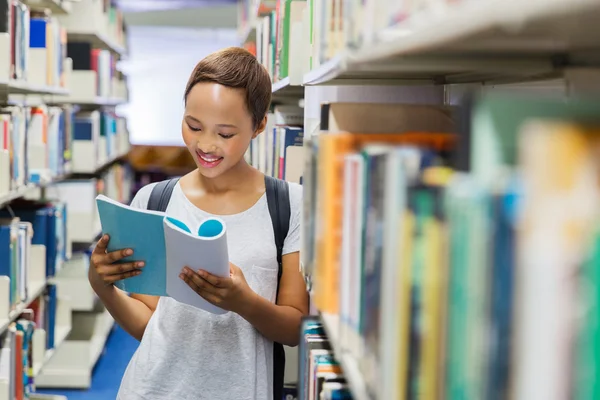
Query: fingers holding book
(228, 293)
(106, 264)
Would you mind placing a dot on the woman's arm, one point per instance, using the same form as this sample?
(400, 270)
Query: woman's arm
(132, 313)
(281, 322)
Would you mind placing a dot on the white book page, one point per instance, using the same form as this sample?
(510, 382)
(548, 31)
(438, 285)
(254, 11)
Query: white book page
(189, 250)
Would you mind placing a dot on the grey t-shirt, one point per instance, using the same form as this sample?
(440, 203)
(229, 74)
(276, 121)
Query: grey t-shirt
(188, 353)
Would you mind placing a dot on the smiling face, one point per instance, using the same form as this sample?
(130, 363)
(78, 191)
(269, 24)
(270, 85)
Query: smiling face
(217, 127)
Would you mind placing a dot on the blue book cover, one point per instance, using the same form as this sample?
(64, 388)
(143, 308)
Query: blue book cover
(5, 251)
(51, 315)
(144, 233)
(37, 33)
(166, 245)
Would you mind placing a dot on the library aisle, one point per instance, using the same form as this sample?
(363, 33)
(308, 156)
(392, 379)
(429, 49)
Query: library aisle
(109, 369)
(448, 154)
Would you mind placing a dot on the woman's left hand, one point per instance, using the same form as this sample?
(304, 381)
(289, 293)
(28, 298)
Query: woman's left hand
(231, 293)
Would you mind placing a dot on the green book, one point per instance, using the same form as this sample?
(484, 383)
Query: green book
(587, 356)
(497, 119)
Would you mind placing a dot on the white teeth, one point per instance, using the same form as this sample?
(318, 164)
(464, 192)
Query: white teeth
(210, 159)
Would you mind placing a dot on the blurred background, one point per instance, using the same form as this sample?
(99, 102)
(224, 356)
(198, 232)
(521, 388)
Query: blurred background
(448, 152)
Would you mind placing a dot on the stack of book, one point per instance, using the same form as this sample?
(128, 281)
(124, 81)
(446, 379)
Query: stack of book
(278, 151)
(459, 278)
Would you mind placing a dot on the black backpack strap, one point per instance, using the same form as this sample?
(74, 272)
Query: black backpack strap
(161, 194)
(278, 201)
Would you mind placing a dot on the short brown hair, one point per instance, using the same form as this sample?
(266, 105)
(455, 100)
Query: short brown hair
(237, 68)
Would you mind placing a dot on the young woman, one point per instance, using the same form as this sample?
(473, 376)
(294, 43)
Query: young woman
(187, 353)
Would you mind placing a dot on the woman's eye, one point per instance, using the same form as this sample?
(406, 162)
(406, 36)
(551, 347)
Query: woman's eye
(193, 128)
(226, 136)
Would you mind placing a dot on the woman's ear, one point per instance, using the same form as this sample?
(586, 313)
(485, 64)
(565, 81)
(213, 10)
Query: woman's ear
(261, 127)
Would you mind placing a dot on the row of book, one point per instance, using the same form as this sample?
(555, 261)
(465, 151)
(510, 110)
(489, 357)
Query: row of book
(41, 143)
(37, 44)
(35, 144)
(273, 38)
(102, 62)
(17, 344)
(279, 150)
(337, 25)
(27, 223)
(320, 374)
(98, 137)
(461, 265)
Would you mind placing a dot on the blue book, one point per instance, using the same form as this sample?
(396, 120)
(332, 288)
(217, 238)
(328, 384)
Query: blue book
(51, 315)
(6, 258)
(166, 245)
(37, 33)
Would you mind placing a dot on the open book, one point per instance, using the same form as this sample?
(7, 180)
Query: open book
(166, 245)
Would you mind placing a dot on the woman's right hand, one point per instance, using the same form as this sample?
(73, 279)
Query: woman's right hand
(103, 268)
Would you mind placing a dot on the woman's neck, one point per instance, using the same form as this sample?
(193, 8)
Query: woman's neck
(234, 179)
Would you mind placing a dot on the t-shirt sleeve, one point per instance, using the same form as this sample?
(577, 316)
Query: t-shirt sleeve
(292, 241)
(140, 200)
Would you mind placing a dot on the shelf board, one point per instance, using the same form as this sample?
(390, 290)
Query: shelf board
(349, 365)
(57, 7)
(22, 87)
(24, 190)
(90, 102)
(37, 288)
(60, 336)
(283, 91)
(96, 39)
(15, 194)
(495, 40)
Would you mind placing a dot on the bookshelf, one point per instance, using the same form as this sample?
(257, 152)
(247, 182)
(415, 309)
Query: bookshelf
(331, 322)
(425, 321)
(63, 80)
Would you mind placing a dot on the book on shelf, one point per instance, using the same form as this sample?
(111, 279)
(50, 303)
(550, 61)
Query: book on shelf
(272, 43)
(15, 245)
(98, 137)
(166, 245)
(49, 228)
(47, 50)
(472, 284)
(35, 145)
(321, 376)
(17, 345)
(36, 42)
(279, 150)
(103, 65)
